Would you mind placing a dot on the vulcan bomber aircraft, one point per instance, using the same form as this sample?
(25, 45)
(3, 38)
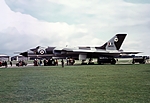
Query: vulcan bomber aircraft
(110, 49)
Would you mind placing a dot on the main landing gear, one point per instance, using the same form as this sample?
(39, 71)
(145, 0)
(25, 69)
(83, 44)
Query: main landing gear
(102, 60)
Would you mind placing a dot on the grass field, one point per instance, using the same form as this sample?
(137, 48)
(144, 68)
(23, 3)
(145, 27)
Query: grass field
(76, 84)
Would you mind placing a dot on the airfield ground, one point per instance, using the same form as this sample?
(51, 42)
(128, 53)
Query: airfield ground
(121, 83)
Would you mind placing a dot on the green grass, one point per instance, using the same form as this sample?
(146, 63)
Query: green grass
(76, 84)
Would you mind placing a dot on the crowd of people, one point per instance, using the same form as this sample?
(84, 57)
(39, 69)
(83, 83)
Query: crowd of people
(3, 63)
(70, 61)
(21, 63)
(52, 62)
(45, 62)
(41, 62)
(6, 63)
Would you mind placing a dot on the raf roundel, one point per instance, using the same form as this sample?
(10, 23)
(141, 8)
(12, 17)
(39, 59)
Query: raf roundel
(116, 39)
(41, 51)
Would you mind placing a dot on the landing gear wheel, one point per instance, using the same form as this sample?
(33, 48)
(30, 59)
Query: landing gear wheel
(113, 61)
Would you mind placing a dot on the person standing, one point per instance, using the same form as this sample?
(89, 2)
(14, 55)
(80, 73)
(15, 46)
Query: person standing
(11, 63)
(62, 63)
(5, 64)
(56, 62)
(40, 62)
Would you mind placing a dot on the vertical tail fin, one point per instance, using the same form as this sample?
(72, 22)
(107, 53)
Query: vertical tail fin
(114, 43)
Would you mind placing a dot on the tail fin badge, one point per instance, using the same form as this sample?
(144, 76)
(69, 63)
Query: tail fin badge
(116, 39)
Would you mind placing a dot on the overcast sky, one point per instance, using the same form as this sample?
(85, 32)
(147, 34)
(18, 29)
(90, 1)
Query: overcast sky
(25, 24)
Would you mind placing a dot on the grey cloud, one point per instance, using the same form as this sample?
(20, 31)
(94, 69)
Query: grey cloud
(43, 10)
(102, 12)
(55, 11)
(11, 40)
(138, 1)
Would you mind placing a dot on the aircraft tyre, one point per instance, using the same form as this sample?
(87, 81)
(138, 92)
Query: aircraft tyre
(113, 61)
(142, 62)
